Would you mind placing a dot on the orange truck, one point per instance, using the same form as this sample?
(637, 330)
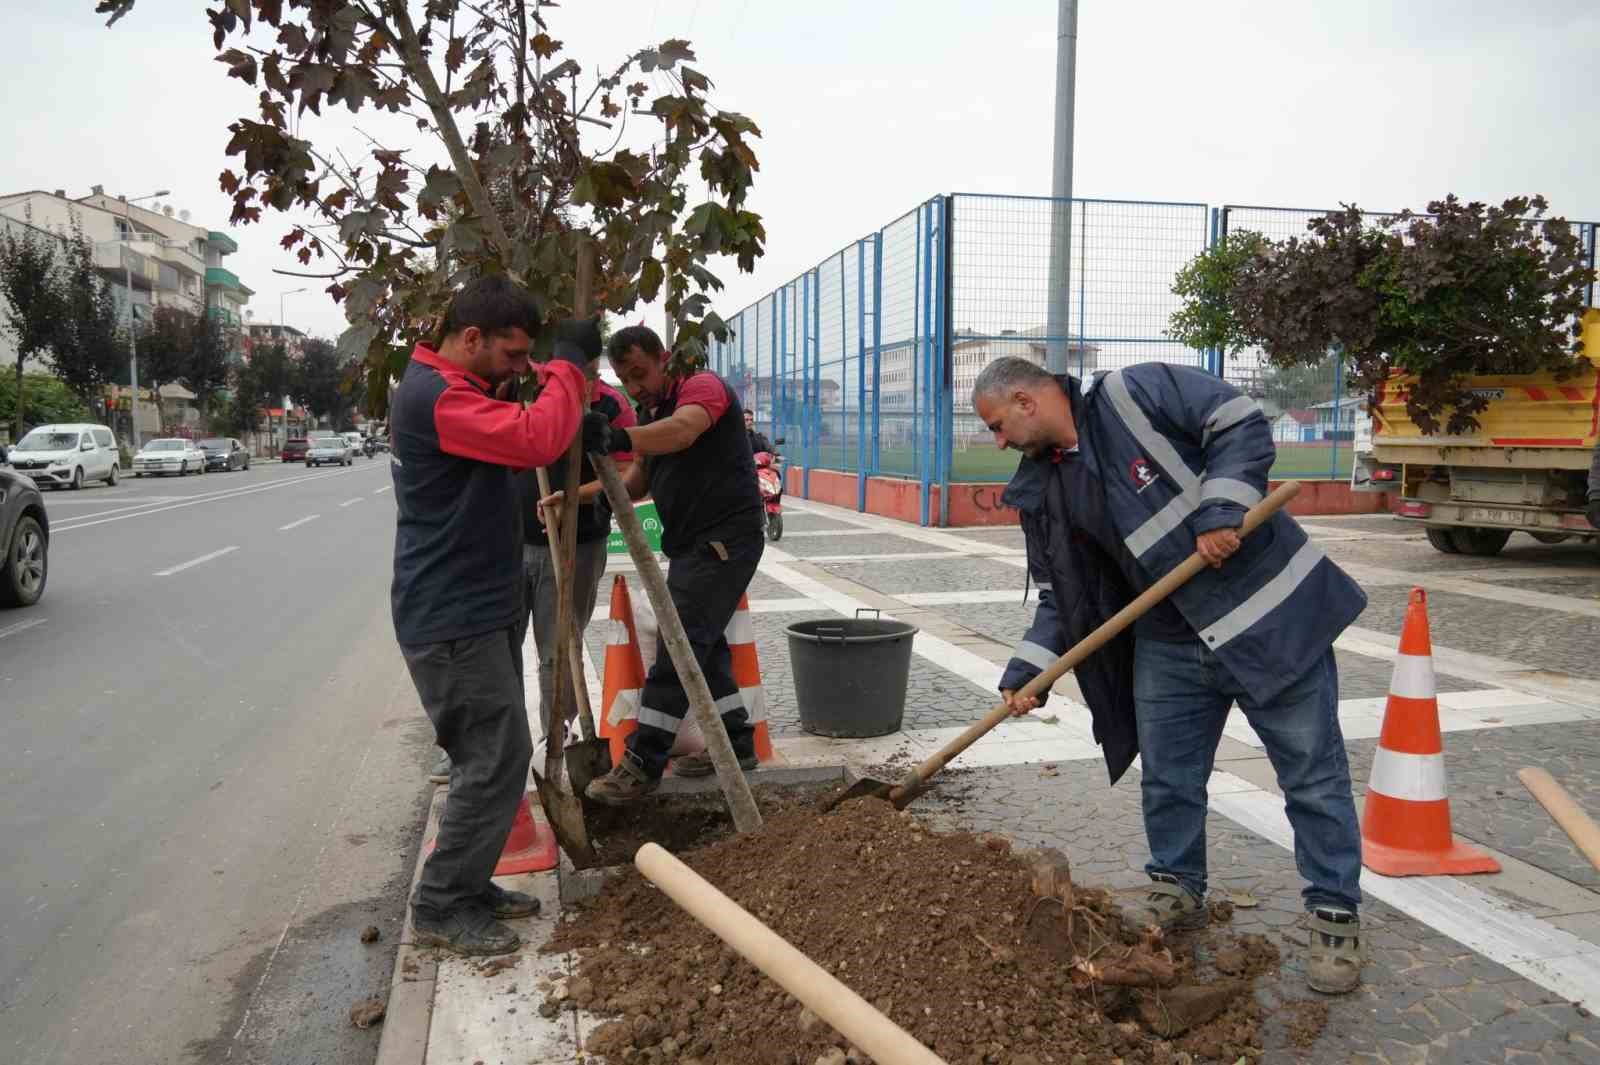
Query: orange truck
(1525, 469)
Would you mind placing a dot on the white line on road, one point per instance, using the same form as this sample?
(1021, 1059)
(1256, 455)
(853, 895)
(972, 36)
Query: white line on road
(350, 502)
(196, 561)
(139, 511)
(382, 490)
(21, 626)
(297, 524)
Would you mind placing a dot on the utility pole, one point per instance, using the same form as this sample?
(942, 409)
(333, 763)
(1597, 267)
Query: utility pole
(283, 338)
(1058, 298)
(133, 349)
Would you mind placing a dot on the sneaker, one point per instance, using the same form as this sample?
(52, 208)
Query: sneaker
(440, 773)
(509, 905)
(1167, 905)
(699, 764)
(471, 930)
(626, 783)
(1333, 952)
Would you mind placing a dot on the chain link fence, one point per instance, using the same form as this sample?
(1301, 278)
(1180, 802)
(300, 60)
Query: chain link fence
(865, 363)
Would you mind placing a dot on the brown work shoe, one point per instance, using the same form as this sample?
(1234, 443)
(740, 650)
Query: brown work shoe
(1333, 952)
(625, 784)
(1166, 905)
(699, 764)
(471, 930)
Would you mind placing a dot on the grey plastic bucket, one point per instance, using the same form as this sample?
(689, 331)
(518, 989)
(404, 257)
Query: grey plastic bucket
(850, 674)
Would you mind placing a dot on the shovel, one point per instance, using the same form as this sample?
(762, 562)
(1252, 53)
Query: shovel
(913, 783)
(564, 810)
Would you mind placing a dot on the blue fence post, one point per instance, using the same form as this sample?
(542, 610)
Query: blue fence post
(804, 315)
(781, 338)
(816, 375)
(946, 310)
(844, 362)
(1080, 234)
(877, 354)
(1338, 422)
(861, 376)
(926, 459)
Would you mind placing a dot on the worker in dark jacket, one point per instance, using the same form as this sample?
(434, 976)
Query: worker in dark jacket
(1125, 475)
(456, 603)
(758, 439)
(693, 458)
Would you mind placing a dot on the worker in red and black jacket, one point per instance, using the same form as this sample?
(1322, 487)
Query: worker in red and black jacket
(456, 599)
(691, 455)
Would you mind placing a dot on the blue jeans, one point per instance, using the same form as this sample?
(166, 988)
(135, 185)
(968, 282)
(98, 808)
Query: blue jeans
(1182, 695)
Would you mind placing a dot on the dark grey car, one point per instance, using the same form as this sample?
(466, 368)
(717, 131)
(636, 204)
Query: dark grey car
(225, 453)
(25, 538)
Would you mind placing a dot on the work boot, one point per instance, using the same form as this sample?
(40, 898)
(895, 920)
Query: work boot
(440, 773)
(1333, 952)
(471, 930)
(626, 783)
(1167, 905)
(699, 764)
(508, 905)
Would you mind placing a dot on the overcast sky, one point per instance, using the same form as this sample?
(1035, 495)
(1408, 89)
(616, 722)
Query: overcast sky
(869, 106)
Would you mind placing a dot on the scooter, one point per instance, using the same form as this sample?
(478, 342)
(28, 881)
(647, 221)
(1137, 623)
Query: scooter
(769, 476)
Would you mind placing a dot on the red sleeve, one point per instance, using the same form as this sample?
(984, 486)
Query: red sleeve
(475, 426)
(705, 390)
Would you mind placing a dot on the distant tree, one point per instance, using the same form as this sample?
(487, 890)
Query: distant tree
(92, 345)
(317, 380)
(241, 414)
(49, 400)
(207, 370)
(166, 349)
(274, 372)
(31, 265)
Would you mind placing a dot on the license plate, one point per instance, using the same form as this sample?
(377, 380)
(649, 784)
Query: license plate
(1496, 516)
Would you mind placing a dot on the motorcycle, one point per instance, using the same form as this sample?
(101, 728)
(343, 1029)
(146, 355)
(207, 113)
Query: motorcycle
(769, 477)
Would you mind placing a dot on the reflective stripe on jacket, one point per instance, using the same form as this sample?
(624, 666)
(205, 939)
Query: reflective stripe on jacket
(1178, 452)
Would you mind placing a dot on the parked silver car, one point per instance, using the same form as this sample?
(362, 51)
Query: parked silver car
(328, 449)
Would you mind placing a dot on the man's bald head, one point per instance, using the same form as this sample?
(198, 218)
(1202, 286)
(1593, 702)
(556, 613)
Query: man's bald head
(1023, 406)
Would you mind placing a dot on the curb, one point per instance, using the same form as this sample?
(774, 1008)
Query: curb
(409, 1013)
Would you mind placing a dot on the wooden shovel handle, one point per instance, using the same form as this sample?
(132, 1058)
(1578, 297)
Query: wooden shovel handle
(1564, 810)
(1109, 630)
(849, 1014)
(574, 657)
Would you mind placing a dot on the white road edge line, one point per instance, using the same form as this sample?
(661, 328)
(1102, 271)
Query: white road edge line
(297, 524)
(21, 626)
(350, 502)
(196, 561)
(382, 490)
(79, 521)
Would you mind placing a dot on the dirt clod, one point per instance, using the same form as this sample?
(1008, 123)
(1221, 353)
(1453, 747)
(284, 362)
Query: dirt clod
(983, 954)
(1307, 1019)
(369, 934)
(367, 1012)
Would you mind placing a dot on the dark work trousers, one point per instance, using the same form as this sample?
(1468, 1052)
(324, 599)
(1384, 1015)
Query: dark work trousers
(705, 588)
(472, 691)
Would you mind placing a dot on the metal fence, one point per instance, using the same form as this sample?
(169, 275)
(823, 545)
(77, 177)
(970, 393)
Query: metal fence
(865, 363)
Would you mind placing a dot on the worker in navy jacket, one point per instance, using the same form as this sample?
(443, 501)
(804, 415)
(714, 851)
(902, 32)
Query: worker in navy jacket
(457, 597)
(1124, 476)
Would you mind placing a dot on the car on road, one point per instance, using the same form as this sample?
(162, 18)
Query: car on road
(169, 455)
(328, 450)
(25, 539)
(66, 455)
(294, 449)
(225, 453)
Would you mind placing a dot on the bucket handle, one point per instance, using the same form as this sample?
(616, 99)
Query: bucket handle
(877, 614)
(837, 631)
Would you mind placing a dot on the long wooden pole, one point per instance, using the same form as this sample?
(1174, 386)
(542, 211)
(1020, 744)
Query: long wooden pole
(580, 689)
(1578, 826)
(735, 788)
(849, 1014)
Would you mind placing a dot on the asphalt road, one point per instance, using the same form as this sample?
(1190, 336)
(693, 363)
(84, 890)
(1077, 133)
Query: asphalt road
(212, 760)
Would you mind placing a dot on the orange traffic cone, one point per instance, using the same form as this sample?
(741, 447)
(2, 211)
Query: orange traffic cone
(747, 674)
(623, 673)
(1405, 830)
(530, 848)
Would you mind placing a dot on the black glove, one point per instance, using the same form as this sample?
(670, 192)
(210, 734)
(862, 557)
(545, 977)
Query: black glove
(577, 341)
(1593, 513)
(600, 437)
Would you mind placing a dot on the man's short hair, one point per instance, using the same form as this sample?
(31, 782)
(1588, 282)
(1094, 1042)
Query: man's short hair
(495, 305)
(1005, 375)
(634, 336)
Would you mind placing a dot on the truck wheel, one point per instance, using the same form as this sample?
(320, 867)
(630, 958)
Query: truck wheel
(1480, 541)
(1442, 540)
(1551, 538)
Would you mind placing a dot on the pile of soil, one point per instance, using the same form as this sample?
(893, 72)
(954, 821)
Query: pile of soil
(988, 957)
(684, 821)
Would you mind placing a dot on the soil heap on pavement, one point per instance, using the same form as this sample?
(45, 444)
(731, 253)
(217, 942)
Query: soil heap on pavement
(988, 957)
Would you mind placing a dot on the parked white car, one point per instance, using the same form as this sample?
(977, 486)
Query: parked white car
(169, 455)
(66, 455)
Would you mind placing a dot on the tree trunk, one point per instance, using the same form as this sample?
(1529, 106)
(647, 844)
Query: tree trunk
(16, 415)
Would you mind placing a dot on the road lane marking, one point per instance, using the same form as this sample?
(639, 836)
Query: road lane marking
(21, 626)
(350, 502)
(297, 524)
(382, 490)
(196, 561)
(81, 522)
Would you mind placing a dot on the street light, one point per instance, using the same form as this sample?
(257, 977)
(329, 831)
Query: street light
(284, 337)
(133, 350)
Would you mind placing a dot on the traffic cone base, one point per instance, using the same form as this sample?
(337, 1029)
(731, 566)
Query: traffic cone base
(1405, 828)
(530, 848)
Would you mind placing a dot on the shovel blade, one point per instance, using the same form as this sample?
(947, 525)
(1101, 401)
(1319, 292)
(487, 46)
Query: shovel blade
(565, 814)
(587, 760)
(878, 789)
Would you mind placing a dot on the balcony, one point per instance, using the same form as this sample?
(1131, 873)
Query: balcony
(174, 252)
(222, 277)
(221, 242)
(224, 315)
(123, 265)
